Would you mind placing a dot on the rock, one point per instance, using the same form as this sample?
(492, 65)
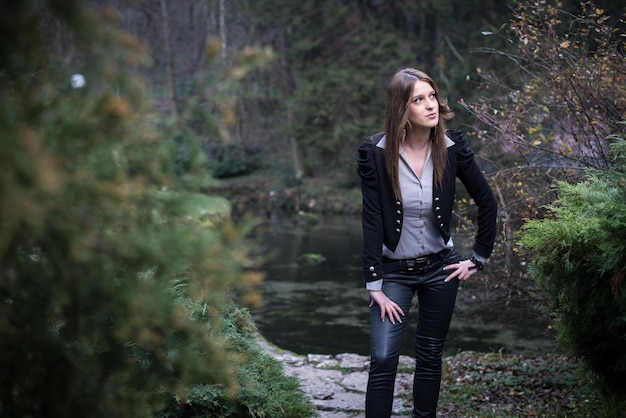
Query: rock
(336, 384)
(355, 381)
(353, 361)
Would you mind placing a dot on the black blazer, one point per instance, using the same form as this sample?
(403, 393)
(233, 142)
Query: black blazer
(382, 215)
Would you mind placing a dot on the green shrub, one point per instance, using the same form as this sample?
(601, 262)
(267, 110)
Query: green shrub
(580, 261)
(95, 320)
(232, 160)
(261, 388)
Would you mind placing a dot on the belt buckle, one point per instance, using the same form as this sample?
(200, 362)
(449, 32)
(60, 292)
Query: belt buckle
(417, 264)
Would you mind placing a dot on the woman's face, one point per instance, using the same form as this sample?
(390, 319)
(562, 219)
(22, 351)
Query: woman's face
(424, 106)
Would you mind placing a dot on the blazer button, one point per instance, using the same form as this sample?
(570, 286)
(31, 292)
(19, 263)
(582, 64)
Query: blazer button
(397, 229)
(398, 221)
(438, 216)
(436, 199)
(371, 268)
(374, 275)
(441, 225)
(437, 208)
(398, 202)
(399, 212)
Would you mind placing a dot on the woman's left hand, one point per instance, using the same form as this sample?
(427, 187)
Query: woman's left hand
(463, 270)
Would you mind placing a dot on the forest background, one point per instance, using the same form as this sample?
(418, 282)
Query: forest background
(110, 303)
(313, 81)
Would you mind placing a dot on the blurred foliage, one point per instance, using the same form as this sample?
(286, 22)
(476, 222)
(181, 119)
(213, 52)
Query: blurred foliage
(116, 277)
(202, 135)
(233, 160)
(310, 77)
(263, 389)
(579, 259)
(337, 57)
(552, 116)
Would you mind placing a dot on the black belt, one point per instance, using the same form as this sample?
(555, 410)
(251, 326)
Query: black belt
(412, 265)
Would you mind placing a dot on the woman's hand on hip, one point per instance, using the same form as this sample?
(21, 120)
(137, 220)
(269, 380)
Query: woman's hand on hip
(387, 306)
(463, 270)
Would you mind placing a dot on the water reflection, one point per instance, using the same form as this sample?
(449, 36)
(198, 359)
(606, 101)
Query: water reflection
(322, 308)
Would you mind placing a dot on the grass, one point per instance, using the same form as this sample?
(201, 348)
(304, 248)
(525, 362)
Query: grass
(500, 385)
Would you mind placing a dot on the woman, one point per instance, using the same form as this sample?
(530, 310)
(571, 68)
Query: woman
(408, 176)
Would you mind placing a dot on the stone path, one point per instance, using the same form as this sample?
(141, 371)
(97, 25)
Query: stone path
(336, 384)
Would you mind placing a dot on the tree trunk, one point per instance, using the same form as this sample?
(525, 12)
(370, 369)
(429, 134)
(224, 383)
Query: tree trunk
(507, 227)
(223, 30)
(171, 82)
(296, 160)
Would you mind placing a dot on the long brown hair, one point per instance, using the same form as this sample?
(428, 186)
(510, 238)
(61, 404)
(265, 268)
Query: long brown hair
(399, 94)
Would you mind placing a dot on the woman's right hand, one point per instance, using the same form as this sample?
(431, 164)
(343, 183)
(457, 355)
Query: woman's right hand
(387, 306)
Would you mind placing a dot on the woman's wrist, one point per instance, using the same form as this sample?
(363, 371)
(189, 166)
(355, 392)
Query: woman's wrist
(478, 264)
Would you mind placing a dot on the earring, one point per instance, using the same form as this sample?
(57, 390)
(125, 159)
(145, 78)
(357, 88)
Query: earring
(403, 134)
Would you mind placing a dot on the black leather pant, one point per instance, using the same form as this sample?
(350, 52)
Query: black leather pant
(436, 300)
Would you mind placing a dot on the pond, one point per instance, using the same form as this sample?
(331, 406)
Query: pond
(322, 307)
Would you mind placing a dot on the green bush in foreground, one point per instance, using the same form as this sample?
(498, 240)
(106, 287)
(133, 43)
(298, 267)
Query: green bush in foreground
(261, 388)
(97, 229)
(580, 262)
